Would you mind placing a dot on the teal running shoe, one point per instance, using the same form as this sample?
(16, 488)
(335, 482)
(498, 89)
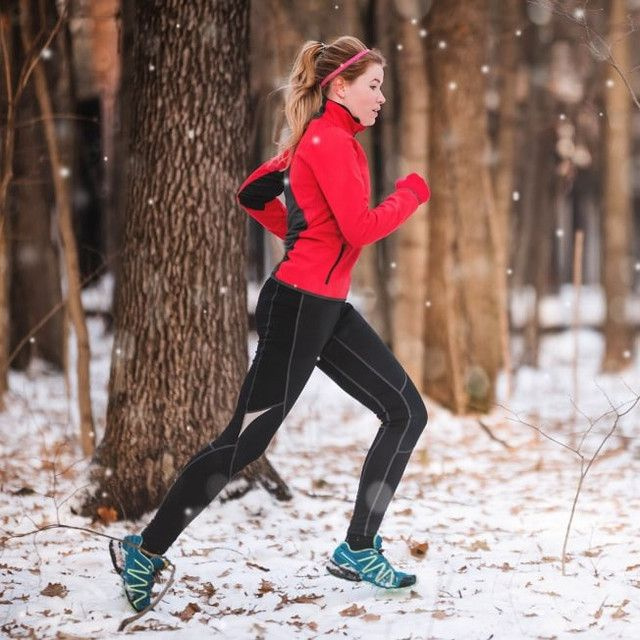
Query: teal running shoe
(369, 565)
(138, 570)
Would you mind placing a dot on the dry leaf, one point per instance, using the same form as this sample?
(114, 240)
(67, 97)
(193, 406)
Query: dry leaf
(476, 545)
(265, 587)
(207, 590)
(303, 599)
(23, 491)
(188, 612)
(620, 612)
(353, 610)
(440, 615)
(107, 514)
(419, 549)
(371, 617)
(55, 589)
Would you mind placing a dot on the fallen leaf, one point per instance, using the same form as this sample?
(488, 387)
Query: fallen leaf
(476, 545)
(419, 549)
(206, 590)
(265, 587)
(188, 612)
(371, 617)
(55, 589)
(620, 612)
(440, 615)
(107, 514)
(353, 610)
(193, 578)
(23, 491)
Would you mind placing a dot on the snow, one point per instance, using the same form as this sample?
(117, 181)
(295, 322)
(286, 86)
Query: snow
(494, 518)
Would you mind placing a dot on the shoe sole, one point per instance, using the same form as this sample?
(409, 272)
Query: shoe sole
(115, 551)
(350, 574)
(342, 572)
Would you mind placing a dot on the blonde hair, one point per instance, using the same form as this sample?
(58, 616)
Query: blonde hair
(314, 62)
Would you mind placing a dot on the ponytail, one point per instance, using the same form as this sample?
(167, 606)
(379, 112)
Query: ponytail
(314, 62)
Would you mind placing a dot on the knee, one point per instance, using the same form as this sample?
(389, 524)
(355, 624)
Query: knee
(417, 407)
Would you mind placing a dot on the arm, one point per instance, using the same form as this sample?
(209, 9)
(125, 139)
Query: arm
(334, 162)
(258, 196)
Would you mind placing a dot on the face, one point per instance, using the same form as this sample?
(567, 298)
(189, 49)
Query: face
(363, 97)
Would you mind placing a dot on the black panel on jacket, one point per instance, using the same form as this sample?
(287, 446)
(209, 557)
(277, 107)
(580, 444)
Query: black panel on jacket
(257, 193)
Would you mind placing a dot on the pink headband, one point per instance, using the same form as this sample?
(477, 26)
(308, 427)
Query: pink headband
(343, 66)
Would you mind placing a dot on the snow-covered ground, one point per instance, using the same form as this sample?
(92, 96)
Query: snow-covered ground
(493, 520)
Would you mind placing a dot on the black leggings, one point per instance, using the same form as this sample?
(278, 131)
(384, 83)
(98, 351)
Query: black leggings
(298, 331)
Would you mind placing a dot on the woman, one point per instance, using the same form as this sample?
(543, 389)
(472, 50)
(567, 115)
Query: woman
(302, 316)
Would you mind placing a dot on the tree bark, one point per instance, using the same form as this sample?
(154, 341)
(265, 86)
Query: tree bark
(617, 221)
(8, 148)
(508, 48)
(462, 349)
(180, 346)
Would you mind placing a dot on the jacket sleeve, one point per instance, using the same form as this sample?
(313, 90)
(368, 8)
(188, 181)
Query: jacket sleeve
(258, 195)
(334, 162)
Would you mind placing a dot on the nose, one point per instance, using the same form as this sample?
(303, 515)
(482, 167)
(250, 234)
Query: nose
(382, 99)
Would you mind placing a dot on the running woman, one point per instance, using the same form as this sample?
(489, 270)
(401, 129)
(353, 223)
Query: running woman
(303, 319)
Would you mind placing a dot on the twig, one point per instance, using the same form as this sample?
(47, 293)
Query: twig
(166, 561)
(585, 464)
(596, 43)
(485, 427)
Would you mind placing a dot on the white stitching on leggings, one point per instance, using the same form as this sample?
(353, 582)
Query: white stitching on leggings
(212, 449)
(404, 431)
(255, 375)
(375, 444)
(348, 348)
(346, 375)
(202, 455)
(293, 346)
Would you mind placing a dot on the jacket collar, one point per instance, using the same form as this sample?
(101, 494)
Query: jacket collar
(340, 115)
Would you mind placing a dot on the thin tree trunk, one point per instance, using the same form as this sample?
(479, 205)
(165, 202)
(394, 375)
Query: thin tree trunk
(64, 216)
(617, 221)
(510, 16)
(8, 145)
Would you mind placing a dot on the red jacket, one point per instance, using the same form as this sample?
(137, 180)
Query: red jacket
(327, 219)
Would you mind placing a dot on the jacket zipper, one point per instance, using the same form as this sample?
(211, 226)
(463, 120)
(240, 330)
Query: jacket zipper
(335, 263)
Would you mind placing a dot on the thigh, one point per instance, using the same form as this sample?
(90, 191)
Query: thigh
(357, 359)
(292, 327)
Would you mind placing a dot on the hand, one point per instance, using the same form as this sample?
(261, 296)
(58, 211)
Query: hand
(417, 184)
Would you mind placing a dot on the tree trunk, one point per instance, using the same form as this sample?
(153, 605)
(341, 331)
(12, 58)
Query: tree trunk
(617, 222)
(508, 50)
(462, 348)
(409, 277)
(180, 346)
(7, 137)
